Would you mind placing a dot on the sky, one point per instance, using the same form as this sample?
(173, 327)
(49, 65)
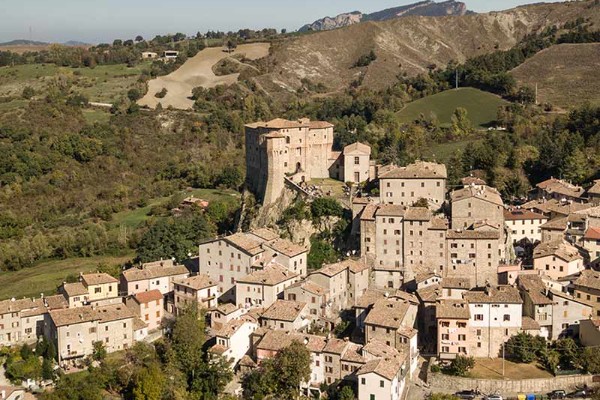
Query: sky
(95, 21)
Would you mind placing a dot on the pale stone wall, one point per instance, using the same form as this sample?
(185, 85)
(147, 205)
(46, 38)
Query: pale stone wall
(467, 211)
(388, 241)
(103, 291)
(555, 267)
(407, 191)
(526, 228)
(476, 259)
(451, 384)
(375, 385)
(356, 166)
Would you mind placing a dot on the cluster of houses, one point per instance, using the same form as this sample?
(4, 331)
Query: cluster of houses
(440, 272)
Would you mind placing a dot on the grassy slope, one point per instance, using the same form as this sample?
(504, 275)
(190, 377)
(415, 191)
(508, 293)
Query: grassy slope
(47, 276)
(566, 74)
(102, 84)
(482, 107)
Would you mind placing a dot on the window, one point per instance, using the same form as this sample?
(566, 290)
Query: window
(98, 290)
(372, 397)
(363, 381)
(461, 324)
(381, 384)
(445, 336)
(356, 160)
(462, 337)
(478, 317)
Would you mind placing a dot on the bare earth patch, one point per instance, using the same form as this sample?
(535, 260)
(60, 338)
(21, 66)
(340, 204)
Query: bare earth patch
(486, 368)
(197, 71)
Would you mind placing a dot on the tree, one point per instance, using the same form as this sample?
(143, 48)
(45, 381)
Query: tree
(231, 45)
(461, 125)
(99, 353)
(569, 352)
(576, 167)
(161, 94)
(139, 38)
(28, 92)
(524, 348)
(134, 94)
(550, 358)
(346, 393)
(591, 360)
(326, 207)
(149, 383)
(187, 341)
(321, 252)
(461, 365)
(421, 203)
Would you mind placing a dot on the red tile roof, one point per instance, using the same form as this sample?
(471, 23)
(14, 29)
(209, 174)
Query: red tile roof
(147, 297)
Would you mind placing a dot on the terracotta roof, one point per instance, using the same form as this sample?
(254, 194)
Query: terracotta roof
(556, 224)
(402, 295)
(98, 279)
(10, 390)
(387, 368)
(417, 170)
(471, 234)
(74, 289)
(272, 274)
(430, 294)
(357, 148)
(284, 310)
(451, 282)
(595, 189)
(425, 276)
(226, 308)
(70, 316)
(472, 180)
(439, 223)
(559, 249)
(520, 214)
(559, 186)
(529, 324)
(230, 328)
(356, 266)
(418, 214)
(276, 340)
(369, 298)
(534, 286)
(588, 279)
(138, 324)
(387, 313)
(335, 346)
(287, 248)
(592, 233)
(320, 125)
(8, 306)
(569, 207)
(153, 271)
(484, 193)
(246, 242)
(353, 354)
(452, 309)
(265, 234)
(197, 282)
(218, 349)
(280, 123)
(368, 213)
(247, 361)
(390, 210)
(56, 301)
(310, 287)
(334, 269)
(491, 295)
(147, 297)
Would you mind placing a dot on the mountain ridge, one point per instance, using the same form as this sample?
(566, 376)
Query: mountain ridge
(422, 8)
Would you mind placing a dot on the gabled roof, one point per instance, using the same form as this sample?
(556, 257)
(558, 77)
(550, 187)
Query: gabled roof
(284, 310)
(310, 287)
(417, 170)
(390, 210)
(336, 268)
(98, 279)
(287, 247)
(276, 340)
(74, 289)
(592, 233)
(246, 242)
(560, 249)
(534, 286)
(588, 279)
(595, 189)
(357, 148)
(153, 271)
(451, 282)
(272, 274)
(197, 282)
(280, 123)
(452, 309)
(149, 296)
(418, 214)
(556, 224)
(559, 186)
(472, 180)
(522, 215)
(484, 193)
(71, 316)
(491, 295)
(387, 313)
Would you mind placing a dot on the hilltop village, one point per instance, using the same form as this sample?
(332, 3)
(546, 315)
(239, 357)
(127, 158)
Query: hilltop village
(443, 271)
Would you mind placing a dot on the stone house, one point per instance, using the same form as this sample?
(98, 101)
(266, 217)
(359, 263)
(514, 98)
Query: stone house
(406, 185)
(75, 330)
(200, 290)
(524, 224)
(97, 288)
(149, 307)
(472, 204)
(233, 340)
(385, 373)
(591, 244)
(286, 315)
(593, 193)
(474, 255)
(263, 286)
(496, 315)
(392, 322)
(557, 259)
(555, 230)
(233, 257)
(355, 163)
(223, 313)
(586, 288)
(158, 275)
(312, 294)
(453, 330)
(558, 189)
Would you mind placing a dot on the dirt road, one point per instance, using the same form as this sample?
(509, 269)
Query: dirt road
(197, 71)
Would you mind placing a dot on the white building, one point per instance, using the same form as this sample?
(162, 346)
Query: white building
(264, 285)
(557, 259)
(524, 224)
(233, 340)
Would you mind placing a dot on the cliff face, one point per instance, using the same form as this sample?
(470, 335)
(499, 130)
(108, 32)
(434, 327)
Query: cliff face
(427, 8)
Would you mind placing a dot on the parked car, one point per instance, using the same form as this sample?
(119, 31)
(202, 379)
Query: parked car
(467, 394)
(578, 394)
(493, 397)
(557, 394)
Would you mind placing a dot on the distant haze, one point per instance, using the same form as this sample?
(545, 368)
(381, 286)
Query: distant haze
(106, 20)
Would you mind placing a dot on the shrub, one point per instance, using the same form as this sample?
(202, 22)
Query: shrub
(28, 92)
(161, 94)
(366, 59)
(461, 365)
(326, 207)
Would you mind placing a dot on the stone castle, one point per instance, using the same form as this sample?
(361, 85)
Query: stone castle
(298, 151)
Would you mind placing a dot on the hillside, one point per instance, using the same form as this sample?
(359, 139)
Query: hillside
(482, 107)
(409, 45)
(566, 74)
(424, 8)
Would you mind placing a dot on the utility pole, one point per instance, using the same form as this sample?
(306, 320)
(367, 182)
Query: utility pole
(503, 344)
(536, 94)
(456, 75)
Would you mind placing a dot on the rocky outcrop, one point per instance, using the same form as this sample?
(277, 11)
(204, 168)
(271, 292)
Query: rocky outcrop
(426, 8)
